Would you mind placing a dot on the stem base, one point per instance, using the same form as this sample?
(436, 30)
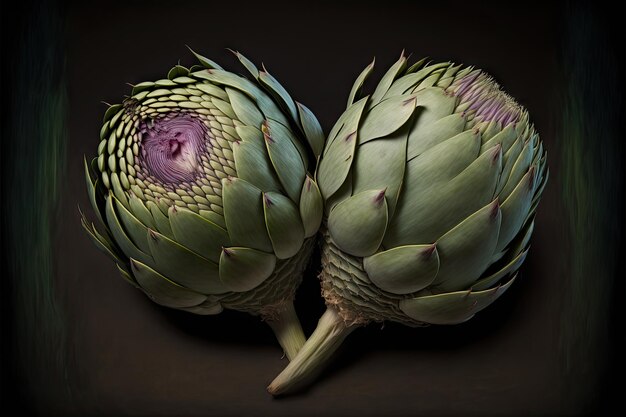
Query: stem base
(330, 333)
(287, 329)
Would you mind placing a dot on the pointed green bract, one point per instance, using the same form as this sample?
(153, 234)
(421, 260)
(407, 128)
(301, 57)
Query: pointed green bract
(416, 66)
(284, 225)
(225, 107)
(160, 220)
(212, 90)
(111, 111)
(426, 136)
(101, 243)
(91, 190)
(138, 88)
(243, 213)
(428, 217)
(338, 154)
(198, 234)
(183, 266)
(518, 170)
(204, 60)
(334, 168)
(263, 101)
(409, 81)
(243, 269)
(386, 117)
(380, 165)
(442, 163)
(344, 192)
(403, 270)
(312, 129)
(252, 69)
(433, 105)
(505, 138)
(490, 280)
(448, 76)
(347, 122)
(539, 191)
(126, 275)
(347, 220)
(432, 79)
(311, 207)
(515, 209)
(244, 108)
(177, 71)
(250, 134)
(121, 238)
(508, 160)
(358, 83)
(253, 165)
(118, 191)
(162, 290)
(140, 211)
(132, 226)
(279, 92)
(285, 158)
(388, 79)
(451, 308)
(465, 251)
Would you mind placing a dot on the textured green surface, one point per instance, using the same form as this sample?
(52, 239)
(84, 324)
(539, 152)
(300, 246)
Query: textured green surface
(457, 163)
(224, 198)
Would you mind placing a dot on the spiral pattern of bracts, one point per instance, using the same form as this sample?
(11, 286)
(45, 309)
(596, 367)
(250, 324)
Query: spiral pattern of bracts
(146, 113)
(347, 288)
(201, 186)
(431, 185)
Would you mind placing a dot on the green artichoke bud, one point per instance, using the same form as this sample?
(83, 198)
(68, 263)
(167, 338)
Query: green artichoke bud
(430, 187)
(202, 190)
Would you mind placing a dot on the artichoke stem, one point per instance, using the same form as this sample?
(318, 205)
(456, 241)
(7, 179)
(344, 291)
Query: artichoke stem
(287, 329)
(314, 355)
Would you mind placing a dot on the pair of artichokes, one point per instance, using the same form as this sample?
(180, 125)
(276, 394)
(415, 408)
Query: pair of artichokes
(211, 189)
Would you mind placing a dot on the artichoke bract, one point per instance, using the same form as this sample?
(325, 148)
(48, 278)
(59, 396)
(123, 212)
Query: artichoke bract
(430, 187)
(201, 186)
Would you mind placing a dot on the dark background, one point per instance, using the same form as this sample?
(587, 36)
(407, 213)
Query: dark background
(77, 340)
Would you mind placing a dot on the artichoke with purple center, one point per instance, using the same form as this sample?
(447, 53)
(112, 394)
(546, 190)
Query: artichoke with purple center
(430, 187)
(202, 190)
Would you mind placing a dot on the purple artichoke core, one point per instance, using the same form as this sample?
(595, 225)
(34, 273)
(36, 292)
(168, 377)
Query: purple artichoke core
(171, 147)
(487, 101)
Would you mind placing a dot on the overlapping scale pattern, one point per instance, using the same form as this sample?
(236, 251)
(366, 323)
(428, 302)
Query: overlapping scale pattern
(461, 168)
(202, 191)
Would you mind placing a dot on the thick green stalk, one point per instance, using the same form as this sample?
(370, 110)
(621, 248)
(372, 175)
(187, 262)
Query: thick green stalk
(330, 333)
(288, 330)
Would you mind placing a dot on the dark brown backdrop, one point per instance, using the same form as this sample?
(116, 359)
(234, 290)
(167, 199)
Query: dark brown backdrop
(132, 357)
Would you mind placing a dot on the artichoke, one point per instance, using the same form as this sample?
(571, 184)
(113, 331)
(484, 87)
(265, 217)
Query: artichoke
(430, 187)
(201, 187)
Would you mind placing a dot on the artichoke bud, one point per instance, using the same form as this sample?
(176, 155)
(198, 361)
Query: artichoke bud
(199, 184)
(463, 169)
(428, 212)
